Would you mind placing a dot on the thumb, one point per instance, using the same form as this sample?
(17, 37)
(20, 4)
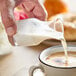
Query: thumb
(9, 21)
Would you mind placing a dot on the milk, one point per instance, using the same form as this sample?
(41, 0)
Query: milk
(31, 32)
(64, 44)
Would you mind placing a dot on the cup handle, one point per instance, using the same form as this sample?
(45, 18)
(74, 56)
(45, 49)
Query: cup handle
(36, 71)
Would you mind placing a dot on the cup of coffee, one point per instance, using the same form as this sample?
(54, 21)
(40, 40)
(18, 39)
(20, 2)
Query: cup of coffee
(53, 62)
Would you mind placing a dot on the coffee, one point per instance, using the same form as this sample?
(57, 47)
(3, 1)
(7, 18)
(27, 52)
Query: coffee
(58, 59)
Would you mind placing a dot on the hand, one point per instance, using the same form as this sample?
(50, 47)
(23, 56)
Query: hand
(31, 7)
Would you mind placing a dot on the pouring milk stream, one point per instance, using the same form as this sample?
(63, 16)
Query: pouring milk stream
(32, 32)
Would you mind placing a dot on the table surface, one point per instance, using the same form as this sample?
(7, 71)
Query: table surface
(19, 58)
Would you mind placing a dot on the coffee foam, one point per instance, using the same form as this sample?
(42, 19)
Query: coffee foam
(58, 59)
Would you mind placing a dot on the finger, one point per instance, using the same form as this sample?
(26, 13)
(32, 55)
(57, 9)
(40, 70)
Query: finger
(28, 9)
(39, 12)
(34, 9)
(9, 26)
(17, 2)
(29, 6)
(8, 22)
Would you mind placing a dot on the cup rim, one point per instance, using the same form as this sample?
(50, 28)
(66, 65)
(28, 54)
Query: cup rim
(52, 65)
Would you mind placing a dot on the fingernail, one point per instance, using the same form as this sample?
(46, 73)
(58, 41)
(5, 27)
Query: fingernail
(10, 31)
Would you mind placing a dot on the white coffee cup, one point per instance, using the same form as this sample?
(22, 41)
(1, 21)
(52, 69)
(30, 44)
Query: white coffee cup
(50, 70)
